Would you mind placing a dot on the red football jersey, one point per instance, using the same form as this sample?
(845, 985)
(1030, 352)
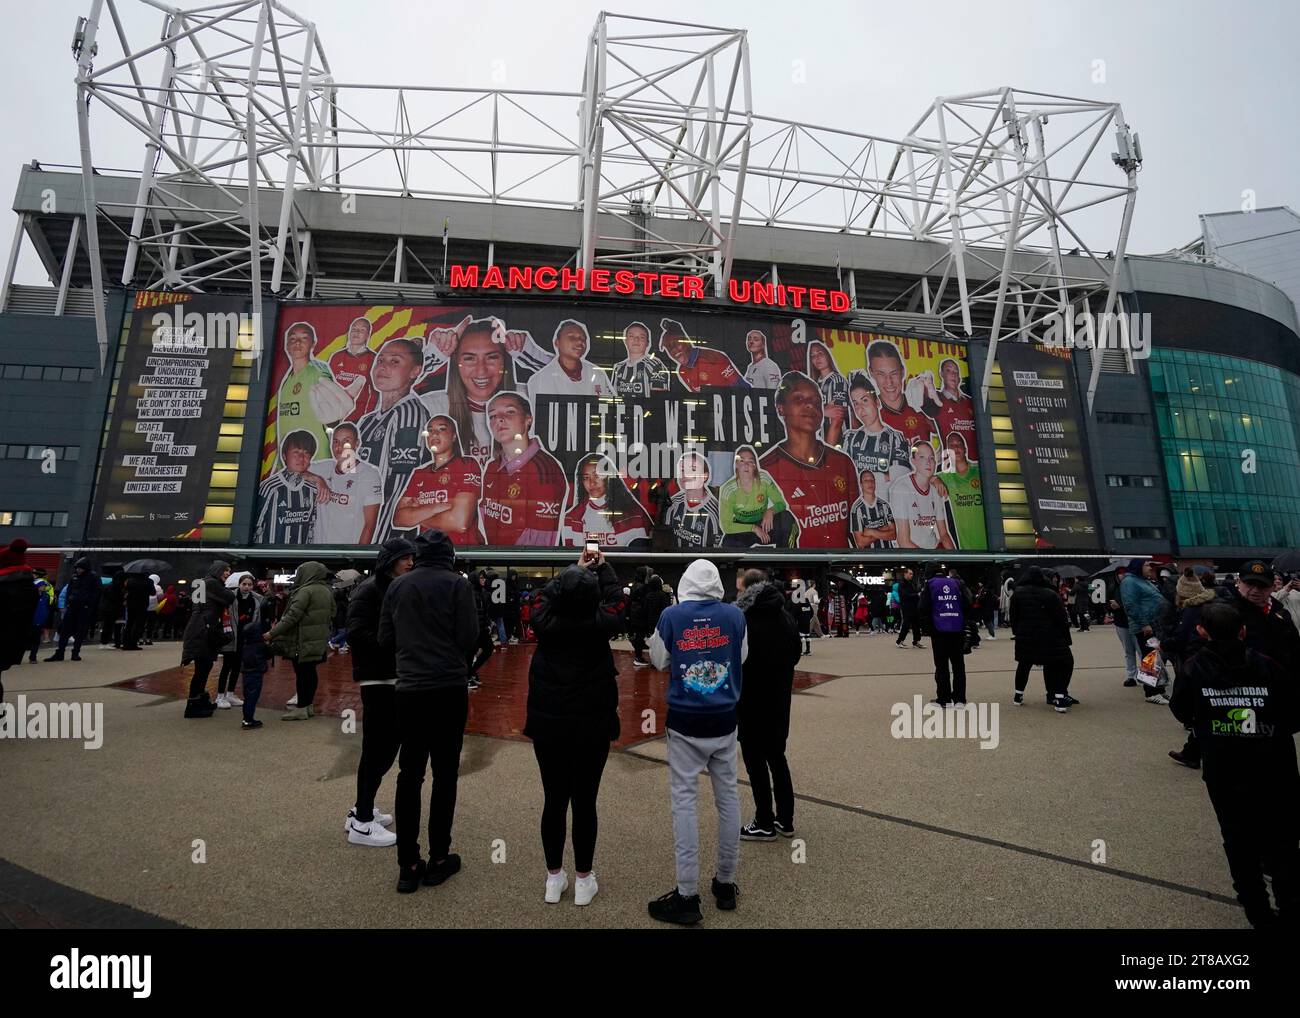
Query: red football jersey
(957, 415)
(913, 424)
(348, 367)
(819, 495)
(433, 485)
(522, 504)
(709, 367)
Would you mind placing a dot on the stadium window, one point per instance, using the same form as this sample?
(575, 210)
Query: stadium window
(51, 374)
(22, 519)
(6, 519)
(13, 371)
(87, 374)
(42, 519)
(17, 452)
(60, 519)
(31, 372)
(71, 375)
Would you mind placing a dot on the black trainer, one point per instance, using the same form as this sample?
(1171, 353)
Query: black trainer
(785, 830)
(674, 908)
(200, 707)
(56, 656)
(436, 873)
(1179, 756)
(725, 895)
(248, 726)
(753, 832)
(409, 877)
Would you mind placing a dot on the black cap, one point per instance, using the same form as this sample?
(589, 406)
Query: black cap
(1257, 571)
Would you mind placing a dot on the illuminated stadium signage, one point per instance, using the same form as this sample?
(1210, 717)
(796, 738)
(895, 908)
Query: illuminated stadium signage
(626, 283)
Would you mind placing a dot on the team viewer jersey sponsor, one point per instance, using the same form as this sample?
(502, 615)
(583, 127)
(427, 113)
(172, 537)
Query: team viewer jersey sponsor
(293, 409)
(763, 374)
(522, 500)
(957, 415)
(913, 425)
(708, 367)
(432, 485)
(694, 523)
(343, 517)
(592, 517)
(288, 509)
(347, 368)
(871, 517)
(819, 494)
(392, 440)
(640, 377)
(922, 510)
(966, 501)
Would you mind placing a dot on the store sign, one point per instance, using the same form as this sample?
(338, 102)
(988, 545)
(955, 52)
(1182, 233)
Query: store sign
(626, 283)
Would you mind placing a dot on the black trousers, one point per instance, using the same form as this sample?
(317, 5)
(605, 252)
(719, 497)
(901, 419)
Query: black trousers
(1056, 674)
(229, 674)
(134, 630)
(202, 669)
(1259, 830)
(571, 770)
(637, 638)
(304, 673)
(949, 650)
(431, 727)
(762, 747)
(909, 623)
(379, 744)
(73, 627)
(482, 652)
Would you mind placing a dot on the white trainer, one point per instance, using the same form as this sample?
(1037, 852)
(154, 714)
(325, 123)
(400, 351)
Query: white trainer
(556, 884)
(222, 702)
(292, 701)
(584, 889)
(370, 834)
(233, 700)
(382, 819)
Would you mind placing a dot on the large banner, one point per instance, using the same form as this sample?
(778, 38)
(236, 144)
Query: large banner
(1045, 415)
(162, 436)
(549, 424)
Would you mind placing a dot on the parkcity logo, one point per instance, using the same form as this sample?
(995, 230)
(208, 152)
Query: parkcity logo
(74, 971)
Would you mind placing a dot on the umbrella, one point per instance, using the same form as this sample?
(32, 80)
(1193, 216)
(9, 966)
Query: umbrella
(147, 566)
(1287, 562)
(1069, 572)
(1119, 564)
(232, 581)
(846, 578)
(1202, 570)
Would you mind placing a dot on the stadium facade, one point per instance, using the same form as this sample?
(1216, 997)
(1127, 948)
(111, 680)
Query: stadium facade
(691, 342)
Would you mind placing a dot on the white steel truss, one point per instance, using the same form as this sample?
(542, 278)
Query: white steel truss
(660, 152)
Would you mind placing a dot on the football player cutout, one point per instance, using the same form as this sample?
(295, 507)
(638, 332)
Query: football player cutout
(392, 434)
(287, 499)
(481, 355)
(351, 368)
(871, 522)
(355, 491)
(763, 372)
(693, 512)
(819, 483)
(444, 493)
(874, 445)
(889, 373)
(918, 504)
(641, 373)
(604, 510)
(834, 390)
(570, 373)
(956, 414)
(697, 365)
(960, 479)
(524, 488)
(296, 409)
(751, 508)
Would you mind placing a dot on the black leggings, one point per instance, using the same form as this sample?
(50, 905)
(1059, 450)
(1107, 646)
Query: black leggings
(305, 674)
(484, 651)
(229, 672)
(199, 683)
(909, 623)
(379, 744)
(1056, 674)
(571, 770)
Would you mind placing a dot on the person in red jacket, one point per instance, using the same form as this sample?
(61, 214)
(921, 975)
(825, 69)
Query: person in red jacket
(697, 366)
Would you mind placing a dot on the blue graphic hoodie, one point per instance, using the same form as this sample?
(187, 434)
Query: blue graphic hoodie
(701, 642)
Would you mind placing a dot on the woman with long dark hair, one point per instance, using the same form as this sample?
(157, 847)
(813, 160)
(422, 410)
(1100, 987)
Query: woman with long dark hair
(573, 711)
(444, 493)
(478, 368)
(834, 389)
(603, 505)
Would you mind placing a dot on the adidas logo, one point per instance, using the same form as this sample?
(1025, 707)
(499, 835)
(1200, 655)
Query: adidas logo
(798, 492)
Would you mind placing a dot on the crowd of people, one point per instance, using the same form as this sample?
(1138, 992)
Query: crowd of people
(421, 626)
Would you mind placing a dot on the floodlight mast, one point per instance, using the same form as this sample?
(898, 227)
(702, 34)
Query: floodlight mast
(668, 158)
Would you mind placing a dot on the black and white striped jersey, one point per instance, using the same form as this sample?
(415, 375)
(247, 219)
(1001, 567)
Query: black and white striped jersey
(288, 509)
(393, 441)
(694, 525)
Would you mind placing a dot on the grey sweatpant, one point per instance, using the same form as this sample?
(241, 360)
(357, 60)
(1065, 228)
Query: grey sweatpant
(687, 757)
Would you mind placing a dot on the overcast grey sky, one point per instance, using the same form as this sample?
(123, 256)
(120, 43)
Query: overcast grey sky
(1213, 87)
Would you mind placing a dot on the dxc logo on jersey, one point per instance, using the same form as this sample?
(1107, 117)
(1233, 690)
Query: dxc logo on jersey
(548, 509)
(407, 454)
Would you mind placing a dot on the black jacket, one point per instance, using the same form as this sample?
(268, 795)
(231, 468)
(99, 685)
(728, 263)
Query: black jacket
(774, 650)
(1039, 620)
(656, 600)
(17, 608)
(571, 683)
(1269, 631)
(636, 600)
(137, 588)
(909, 598)
(82, 601)
(370, 661)
(1244, 711)
(204, 634)
(429, 620)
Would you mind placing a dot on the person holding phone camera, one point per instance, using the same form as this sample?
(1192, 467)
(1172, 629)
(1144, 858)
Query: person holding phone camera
(573, 710)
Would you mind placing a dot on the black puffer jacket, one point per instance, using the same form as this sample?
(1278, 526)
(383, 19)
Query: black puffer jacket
(656, 600)
(82, 601)
(429, 619)
(371, 662)
(1039, 619)
(572, 690)
(203, 633)
(774, 650)
(17, 607)
(636, 599)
